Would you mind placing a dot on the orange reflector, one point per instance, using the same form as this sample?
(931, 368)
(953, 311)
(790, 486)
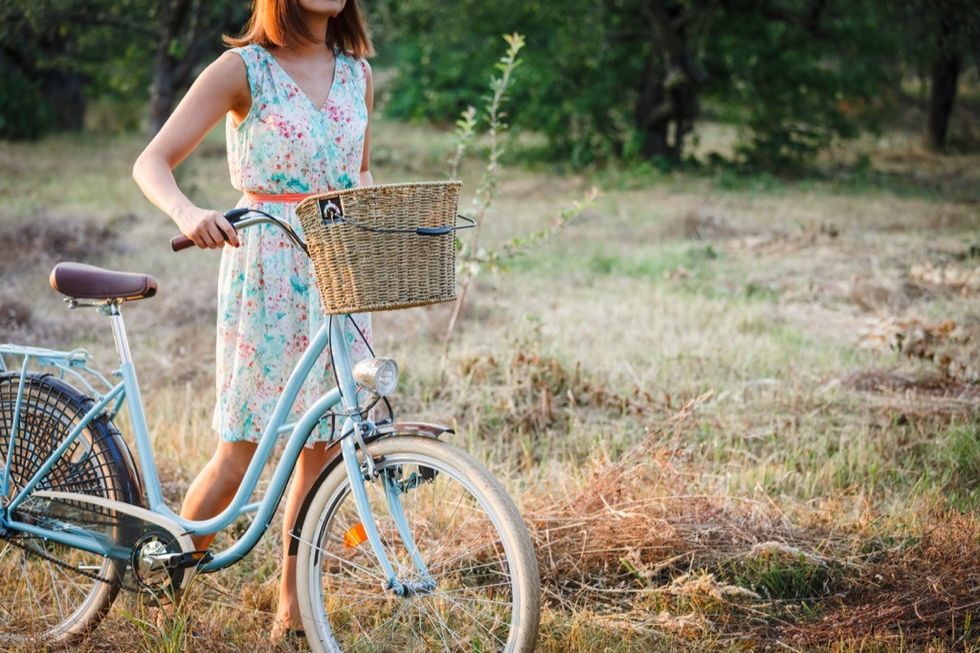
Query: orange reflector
(354, 535)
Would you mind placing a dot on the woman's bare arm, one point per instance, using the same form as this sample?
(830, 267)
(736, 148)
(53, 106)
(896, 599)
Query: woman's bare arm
(366, 178)
(222, 87)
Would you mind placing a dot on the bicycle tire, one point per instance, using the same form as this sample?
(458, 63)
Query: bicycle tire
(98, 463)
(330, 496)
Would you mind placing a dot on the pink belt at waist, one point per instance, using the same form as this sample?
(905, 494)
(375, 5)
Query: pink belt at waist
(283, 198)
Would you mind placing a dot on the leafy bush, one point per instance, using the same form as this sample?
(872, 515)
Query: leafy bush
(23, 112)
(624, 79)
(570, 87)
(794, 87)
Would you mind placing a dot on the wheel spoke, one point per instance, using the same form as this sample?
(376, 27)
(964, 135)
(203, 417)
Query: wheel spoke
(393, 620)
(457, 538)
(54, 589)
(475, 619)
(342, 560)
(43, 593)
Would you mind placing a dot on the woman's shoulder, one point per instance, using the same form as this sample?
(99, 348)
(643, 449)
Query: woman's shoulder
(233, 64)
(256, 62)
(250, 53)
(242, 67)
(359, 67)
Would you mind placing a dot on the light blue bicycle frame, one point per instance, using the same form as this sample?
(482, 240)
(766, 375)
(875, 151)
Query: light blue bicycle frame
(353, 432)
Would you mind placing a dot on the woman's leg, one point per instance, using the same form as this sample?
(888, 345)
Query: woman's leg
(215, 485)
(311, 462)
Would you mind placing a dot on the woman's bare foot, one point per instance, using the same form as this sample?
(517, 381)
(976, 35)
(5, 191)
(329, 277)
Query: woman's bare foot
(285, 628)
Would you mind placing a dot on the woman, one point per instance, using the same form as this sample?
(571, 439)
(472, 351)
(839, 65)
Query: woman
(297, 95)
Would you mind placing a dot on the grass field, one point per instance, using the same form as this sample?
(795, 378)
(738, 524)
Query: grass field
(737, 412)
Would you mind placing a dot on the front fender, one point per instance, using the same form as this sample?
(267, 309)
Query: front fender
(387, 431)
(414, 428)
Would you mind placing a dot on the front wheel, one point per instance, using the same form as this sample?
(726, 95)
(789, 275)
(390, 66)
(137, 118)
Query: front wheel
(482, 592)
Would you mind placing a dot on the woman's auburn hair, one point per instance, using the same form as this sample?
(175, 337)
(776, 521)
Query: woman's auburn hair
(280, 23)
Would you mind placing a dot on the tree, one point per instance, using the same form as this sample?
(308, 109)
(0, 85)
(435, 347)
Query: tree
(628, 78)
(667, 97)
(56, 55)
(794, 76)
(39, 90)
(187, 31)
(942, 37)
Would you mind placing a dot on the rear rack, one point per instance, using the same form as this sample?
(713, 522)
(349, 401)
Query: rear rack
(73, 362)
(73, 358)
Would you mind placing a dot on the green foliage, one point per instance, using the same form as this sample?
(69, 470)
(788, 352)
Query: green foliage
(793, 86)
(792, 75)
(925, 34)
(59, 56)
(24, 114)
(447, 70)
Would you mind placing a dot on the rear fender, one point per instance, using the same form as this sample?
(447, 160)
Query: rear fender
(117, 449)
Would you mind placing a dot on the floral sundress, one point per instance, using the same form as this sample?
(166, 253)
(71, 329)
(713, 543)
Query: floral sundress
(268, 303)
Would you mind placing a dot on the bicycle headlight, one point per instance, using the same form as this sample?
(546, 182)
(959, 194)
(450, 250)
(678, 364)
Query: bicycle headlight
(379, 375)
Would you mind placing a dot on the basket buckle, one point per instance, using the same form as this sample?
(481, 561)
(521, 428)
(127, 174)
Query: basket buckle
(331, 212)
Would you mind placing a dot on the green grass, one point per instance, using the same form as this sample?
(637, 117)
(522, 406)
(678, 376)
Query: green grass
(754, 293)
(783, 574)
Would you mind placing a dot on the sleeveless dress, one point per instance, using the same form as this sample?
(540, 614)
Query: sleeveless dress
(268, 303)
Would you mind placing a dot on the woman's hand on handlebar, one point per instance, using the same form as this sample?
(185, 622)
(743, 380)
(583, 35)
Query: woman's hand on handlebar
(207, 229)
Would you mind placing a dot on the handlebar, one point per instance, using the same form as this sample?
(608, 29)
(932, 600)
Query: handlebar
(236, 218)
(331, 215)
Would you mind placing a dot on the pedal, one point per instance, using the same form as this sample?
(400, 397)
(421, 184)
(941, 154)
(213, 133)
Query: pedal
(179, 560)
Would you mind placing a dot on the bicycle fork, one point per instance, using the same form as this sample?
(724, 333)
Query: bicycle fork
(358, 476)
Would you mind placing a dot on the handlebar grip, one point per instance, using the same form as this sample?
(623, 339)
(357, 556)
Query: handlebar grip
(182, 242)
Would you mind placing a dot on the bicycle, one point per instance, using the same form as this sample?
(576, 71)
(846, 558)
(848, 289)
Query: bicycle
(404, 542)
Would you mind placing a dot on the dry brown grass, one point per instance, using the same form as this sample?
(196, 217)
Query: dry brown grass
(678, 391)
(918, 592)
(634, 548)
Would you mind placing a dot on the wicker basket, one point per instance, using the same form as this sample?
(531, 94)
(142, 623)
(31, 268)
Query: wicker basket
(380, 248)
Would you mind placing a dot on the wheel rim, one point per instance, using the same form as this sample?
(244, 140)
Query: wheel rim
(41, 601)
(460, 537)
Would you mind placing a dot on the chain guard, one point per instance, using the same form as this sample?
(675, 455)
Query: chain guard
(123, 529)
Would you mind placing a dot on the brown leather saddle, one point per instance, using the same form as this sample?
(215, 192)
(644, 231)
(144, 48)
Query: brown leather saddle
(80, 281)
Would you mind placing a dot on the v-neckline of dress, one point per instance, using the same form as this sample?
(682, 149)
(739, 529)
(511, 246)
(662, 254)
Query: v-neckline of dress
(299, 89)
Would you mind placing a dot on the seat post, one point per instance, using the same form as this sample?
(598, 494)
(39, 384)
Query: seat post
(134, 400)
(118, 330)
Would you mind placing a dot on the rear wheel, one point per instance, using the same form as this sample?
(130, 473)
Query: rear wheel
(42, 601)
(469, 533)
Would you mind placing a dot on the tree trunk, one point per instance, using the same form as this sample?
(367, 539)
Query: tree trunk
(653, 112)
(167, 69)
(163, 93)
(64, 91)
(944, 77)
(944, 74)
(668, 95)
